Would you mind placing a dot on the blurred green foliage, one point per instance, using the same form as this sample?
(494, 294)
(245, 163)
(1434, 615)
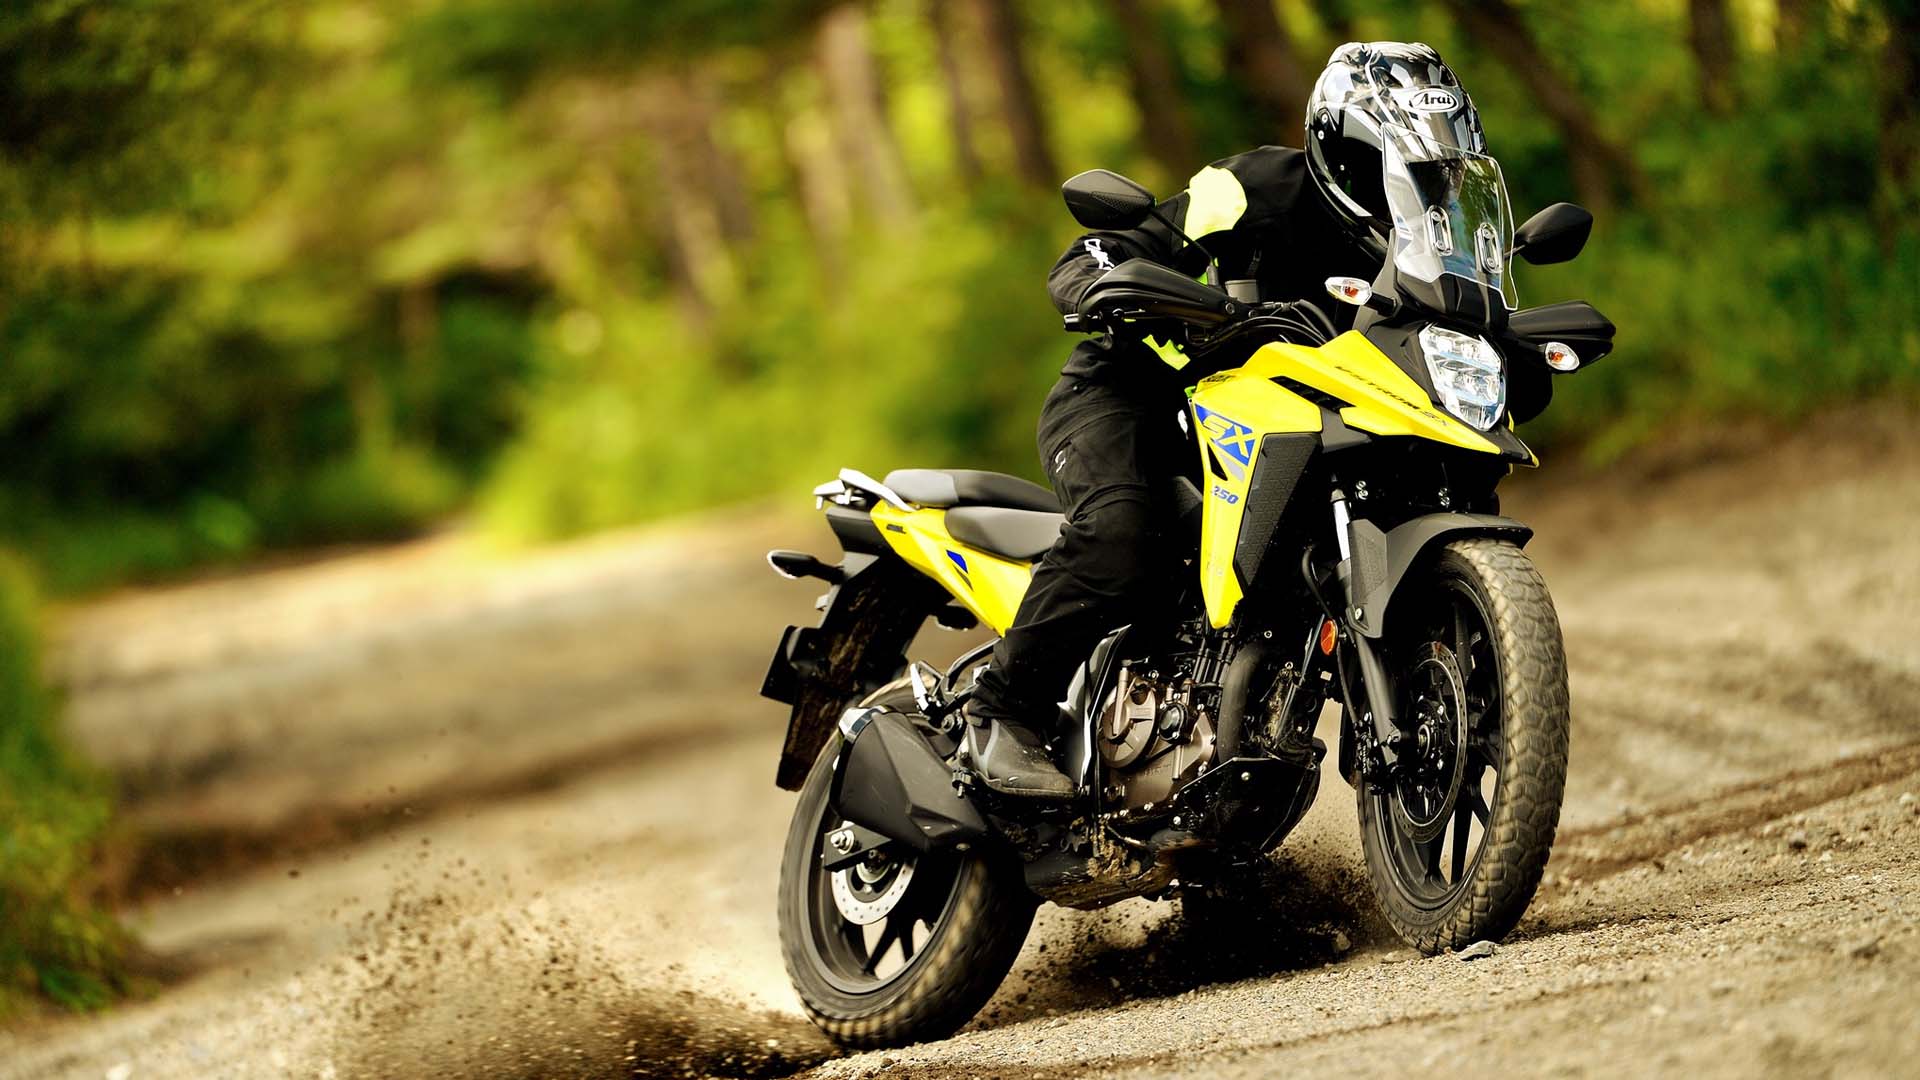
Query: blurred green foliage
(277, 274)
(936, 354)
(1760, 282)
(53, 941)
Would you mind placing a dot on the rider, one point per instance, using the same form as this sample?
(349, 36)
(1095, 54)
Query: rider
(1285, 218)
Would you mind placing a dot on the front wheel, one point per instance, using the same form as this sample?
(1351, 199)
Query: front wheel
(1456, 839)
(898, 949)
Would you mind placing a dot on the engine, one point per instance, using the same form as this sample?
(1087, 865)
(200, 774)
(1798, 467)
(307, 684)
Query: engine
(1155, 735)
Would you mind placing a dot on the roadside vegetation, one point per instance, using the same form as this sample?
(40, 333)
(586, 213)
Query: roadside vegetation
(56, 944)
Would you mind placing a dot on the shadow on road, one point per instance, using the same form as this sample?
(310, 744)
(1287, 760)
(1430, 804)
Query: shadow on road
(1285, 915)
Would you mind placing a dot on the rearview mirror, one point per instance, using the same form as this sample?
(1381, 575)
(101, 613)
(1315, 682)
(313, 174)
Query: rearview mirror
(1553, 235)
(1103, 199)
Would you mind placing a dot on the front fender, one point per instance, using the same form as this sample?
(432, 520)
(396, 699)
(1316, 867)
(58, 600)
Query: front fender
(1381, 559)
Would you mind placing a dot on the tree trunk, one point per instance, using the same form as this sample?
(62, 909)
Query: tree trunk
(1791, 21)
(722, 168)
(822, 183)
(1156, 87)
(1899, 196)
(1337, 17)
(1599, 165)
(417, 318)
(694, 175)
(1019, 102)
(1711, 38)
(698, 260)
(815, 173)
(1261, 60)
(862, 131)
(946, 39)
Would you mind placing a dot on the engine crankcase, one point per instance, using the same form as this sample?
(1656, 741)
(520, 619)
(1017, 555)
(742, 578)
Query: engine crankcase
(1153, 738)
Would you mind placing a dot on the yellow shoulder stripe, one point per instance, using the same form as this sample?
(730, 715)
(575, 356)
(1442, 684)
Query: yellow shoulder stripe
(1215, 201)
(1169, 351)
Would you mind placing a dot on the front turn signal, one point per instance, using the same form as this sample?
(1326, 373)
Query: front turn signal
(1350, 290)
(1560, 356)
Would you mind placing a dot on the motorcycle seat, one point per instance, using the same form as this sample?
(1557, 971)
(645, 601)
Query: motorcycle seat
(1021, 535)
(969, 487)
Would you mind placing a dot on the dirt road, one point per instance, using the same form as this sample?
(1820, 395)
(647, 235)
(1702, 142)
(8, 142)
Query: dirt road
(435, 811)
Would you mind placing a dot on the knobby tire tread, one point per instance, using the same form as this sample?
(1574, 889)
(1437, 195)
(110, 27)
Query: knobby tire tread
(1526, 632)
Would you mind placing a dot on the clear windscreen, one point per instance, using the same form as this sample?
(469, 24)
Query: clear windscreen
(1450, 210)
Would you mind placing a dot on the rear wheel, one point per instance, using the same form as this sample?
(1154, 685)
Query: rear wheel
(896, 949)
(1457, 840)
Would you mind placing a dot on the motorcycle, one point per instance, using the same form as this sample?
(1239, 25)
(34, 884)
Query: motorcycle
(1340, 540)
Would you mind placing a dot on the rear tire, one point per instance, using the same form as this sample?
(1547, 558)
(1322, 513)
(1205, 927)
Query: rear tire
(978, 914)
(1512, 765)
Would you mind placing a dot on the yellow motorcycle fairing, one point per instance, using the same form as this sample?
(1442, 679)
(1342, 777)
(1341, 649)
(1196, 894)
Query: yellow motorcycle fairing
(988, 585)
(1236, 409)
(1232, 412)
(1384, 398)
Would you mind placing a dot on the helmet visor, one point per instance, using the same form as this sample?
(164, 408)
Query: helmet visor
(1449, 209)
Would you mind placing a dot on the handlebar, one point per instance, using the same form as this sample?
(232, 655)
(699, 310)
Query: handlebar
(1300, 310)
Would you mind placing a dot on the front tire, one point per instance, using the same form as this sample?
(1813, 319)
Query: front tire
(946, 940)
(1457, 843)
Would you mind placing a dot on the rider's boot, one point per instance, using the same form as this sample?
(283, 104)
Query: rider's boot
(1011, 759)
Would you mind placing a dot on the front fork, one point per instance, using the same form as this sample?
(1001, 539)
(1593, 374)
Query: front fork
(1371, 722)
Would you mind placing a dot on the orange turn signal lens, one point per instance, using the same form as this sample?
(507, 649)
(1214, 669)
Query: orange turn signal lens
(1560, 356)
(1349, 290)
(1329, 634)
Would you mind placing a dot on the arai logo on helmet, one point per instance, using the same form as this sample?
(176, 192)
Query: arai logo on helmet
(1428, 99)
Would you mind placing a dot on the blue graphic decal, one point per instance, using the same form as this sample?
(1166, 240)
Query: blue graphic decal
(1234, 438)
(961, 562)
(1231, 437)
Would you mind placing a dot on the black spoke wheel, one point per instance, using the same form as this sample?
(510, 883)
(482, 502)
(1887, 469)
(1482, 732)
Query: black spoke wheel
(870, 920)
(1457, 834)
(896, 948)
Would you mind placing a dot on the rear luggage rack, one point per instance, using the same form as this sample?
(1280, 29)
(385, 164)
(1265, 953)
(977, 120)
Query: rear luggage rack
(842, 490)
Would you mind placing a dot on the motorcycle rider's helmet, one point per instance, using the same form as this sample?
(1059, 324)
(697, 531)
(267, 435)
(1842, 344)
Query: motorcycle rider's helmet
(1365, 88)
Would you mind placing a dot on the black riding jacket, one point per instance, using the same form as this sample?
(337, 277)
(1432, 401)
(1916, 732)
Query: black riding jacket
(1259, 213)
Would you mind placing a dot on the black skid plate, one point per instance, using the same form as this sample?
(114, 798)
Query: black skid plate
(1251, 802)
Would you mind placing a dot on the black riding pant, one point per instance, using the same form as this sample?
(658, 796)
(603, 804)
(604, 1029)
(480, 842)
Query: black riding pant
(1108, 450)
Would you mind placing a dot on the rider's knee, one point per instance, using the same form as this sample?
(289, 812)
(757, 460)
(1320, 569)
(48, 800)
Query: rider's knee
(1117, 527)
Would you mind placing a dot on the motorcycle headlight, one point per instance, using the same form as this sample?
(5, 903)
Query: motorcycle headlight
(1466, 375)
